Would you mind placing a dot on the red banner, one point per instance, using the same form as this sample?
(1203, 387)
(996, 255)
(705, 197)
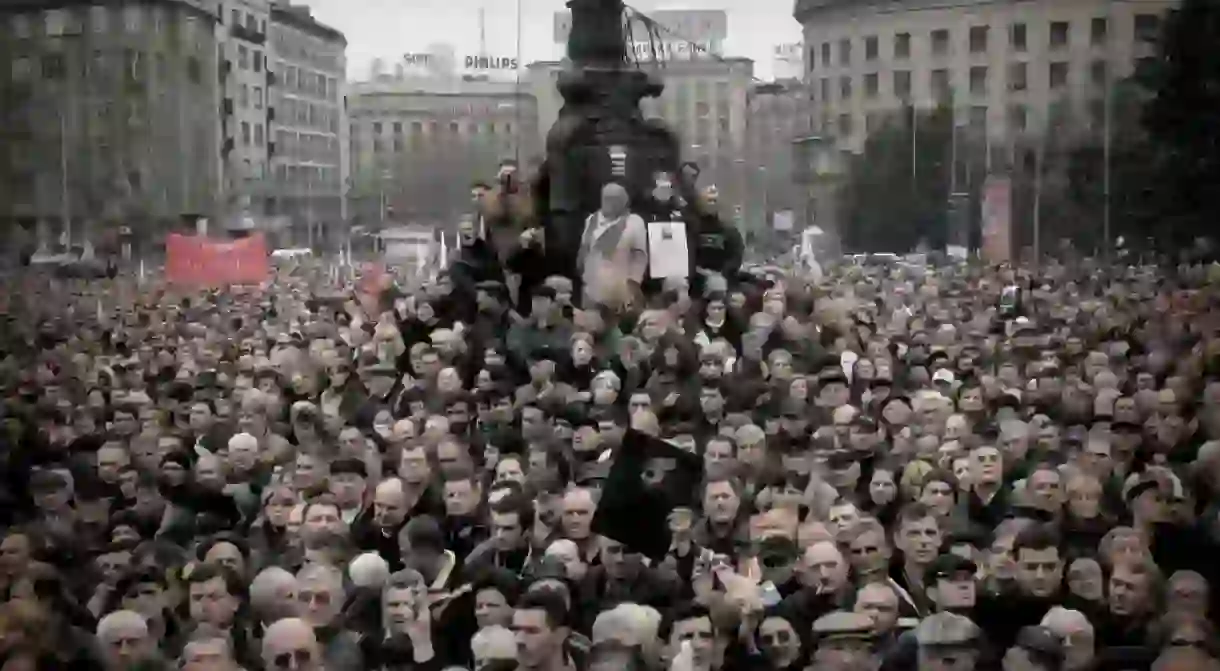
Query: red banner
(193, 259)
(997, 220)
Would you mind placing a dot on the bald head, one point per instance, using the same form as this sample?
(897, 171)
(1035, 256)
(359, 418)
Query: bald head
(291, 638)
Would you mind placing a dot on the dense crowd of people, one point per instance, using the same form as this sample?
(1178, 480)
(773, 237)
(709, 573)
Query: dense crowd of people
(898, 468)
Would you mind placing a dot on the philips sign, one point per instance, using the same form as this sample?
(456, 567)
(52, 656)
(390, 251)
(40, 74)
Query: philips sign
(490, 63)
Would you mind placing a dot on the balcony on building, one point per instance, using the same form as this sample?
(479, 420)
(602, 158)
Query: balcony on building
(251, 35)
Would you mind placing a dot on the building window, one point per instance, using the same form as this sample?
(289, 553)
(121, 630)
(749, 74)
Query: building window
(941, 88)
(243, 57)
(845, 52)
(453, 127)
(376, 128)
(872, 85)
(824, 89)
(1018, 76)
(1099, 32)
(256, 59)
(813, 59)
(243, 98)
(1147, 27)
(1018, 37)
(845, 88)
(259, 140)
(845, 125)
(872, 47)
(1099, 73)
(1018, 118)
(398, 128)
(236, 17)
(978, 39)
(131, 18)
(194, 69)
(1058, 75)
(417, 128)
(902, 83)
(978, 80)
(245, 133)
(258, 97)
(53, 66)
(398, 144)
(902, 45)
(1060, 34)
(826, 54)
(940, 42)
(99, 19)
(978, 118)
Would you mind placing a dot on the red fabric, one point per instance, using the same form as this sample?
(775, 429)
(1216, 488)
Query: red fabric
(196, 260)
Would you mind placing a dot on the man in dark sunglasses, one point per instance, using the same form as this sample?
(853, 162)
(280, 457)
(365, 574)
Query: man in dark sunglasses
(290, 645)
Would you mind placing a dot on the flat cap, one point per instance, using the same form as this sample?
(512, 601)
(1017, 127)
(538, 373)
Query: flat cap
(841, 624)
(948, 566)
(946, 630)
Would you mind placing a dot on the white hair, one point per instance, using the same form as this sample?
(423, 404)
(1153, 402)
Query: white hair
(243, 441)
(1062, 620)
(110, 625)
(493, 637)
(558, 546)
(285, 626)
(391, 484)
(628, 623)
(369, 570)
(266, 586)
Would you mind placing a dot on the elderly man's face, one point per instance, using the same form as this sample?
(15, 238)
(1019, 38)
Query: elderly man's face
(126, 645)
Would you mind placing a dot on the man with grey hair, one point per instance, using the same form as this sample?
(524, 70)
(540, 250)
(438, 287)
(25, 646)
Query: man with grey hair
(290, 643)
(208, 650)
(125, 641)
(273, 594)
(1076, 633)
(321, 596)
(369, 570)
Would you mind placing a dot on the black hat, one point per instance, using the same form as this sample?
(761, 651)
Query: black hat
(385, 369)
(647, 480)
(948, 565)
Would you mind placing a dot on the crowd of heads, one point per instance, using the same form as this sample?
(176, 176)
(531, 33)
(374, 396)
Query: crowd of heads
(898, 468)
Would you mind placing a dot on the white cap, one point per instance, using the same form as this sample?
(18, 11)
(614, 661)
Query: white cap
(944, 375)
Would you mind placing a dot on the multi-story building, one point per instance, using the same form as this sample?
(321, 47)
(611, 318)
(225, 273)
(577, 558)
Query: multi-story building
(1009, 69)
(307, 116)
(109, 114)
(417, 143)
(778, 115)
(244, 116)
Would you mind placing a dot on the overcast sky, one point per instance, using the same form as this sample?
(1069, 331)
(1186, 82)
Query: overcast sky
(388, 28)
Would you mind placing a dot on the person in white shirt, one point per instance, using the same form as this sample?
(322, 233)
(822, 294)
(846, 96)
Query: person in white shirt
(613, 255)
